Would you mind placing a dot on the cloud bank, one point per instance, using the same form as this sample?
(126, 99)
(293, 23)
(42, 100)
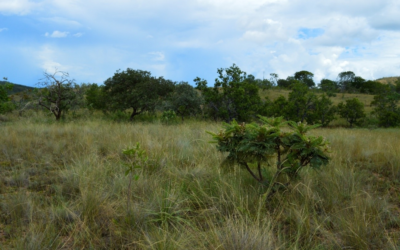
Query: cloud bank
(184, 39)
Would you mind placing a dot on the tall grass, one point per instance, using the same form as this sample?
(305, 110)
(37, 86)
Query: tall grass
(62, 186)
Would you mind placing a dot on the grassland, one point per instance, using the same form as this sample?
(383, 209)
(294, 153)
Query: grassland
(387, 80)
(62, 186)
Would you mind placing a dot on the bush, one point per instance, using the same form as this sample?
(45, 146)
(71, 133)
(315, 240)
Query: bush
(352, 111)
(169, 117)
(256, 145)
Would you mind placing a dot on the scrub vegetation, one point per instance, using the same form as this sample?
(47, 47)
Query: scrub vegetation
(64, 186)
(129, 165)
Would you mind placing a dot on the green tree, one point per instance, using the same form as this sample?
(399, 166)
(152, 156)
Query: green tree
(277, 108)
(233, 95)
(5, 104)
(57, 93)
(323, 111)
(274, 79)
(96, 97)
(136, 90)
(300, 103)
(386, 108)
(345, 80)
(397, 85)
(185, 101)
(329, 86)
(352, 111)
(305, 77)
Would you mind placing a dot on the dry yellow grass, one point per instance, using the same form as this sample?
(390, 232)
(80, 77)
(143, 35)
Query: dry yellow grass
(62, 186)
(387, 80)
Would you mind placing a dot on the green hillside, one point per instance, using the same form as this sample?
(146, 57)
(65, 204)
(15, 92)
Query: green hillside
(17, 88)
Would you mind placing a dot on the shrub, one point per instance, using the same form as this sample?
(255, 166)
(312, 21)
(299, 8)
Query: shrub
(256, 145)
(352, 111)
(169, 117)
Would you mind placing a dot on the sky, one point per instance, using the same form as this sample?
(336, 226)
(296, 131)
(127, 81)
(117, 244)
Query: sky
(180, 40)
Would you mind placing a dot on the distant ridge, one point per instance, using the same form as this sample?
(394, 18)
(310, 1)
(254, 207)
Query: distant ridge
(17, 88)
(387, 80)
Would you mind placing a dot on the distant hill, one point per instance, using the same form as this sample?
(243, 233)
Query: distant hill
(17, 88)
(387, 80)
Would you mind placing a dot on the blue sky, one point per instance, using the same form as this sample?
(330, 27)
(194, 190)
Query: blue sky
(181, 40)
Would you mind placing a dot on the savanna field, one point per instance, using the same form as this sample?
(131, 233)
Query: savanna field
(63, 186)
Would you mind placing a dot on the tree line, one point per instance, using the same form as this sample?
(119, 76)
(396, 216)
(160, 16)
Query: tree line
(234, 96)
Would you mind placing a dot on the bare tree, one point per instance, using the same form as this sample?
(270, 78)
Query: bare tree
(57, 92)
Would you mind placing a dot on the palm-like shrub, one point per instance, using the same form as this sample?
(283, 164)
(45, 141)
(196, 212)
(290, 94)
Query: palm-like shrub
(256, 146)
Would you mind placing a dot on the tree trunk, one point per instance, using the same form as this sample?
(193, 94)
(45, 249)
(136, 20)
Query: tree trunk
(134, 113)
(58, 115)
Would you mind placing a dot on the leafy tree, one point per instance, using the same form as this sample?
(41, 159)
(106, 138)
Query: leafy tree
(358, 84)
(352, 111)
(185, 101)
(274, 79)
(96, 97)
(58, 92)
(397, 86)
(233, 96)
(256, 146)
(305, 77)
(277, 108)
(5, 104)
(386, 108)
(329, 86)
(300, 103)
(289, 82)
(345, 80)
(372, 87)
(264, 84)
(323, 111)
(136, 90)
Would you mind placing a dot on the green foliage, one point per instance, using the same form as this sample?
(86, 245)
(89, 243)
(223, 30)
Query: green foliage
(57, 94)
(185, 101)
(345, 80)
(397, 86)
(367, 87)
(136, 90)
(386, 108)
(305, 77)
(352, 111)
(96, 97)
(278, 107)
(323, 111)
(5, 104)
(233, 96)
(252, 144)
(300, 103)
(136, 159)
(168, 117)
(329, 86)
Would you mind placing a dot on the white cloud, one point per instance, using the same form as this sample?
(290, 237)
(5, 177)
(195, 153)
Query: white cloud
(19, 7)
(68, 23)
(46, 57)
(57, 34)
(359, 35)
(157, 56)
(3, 29)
